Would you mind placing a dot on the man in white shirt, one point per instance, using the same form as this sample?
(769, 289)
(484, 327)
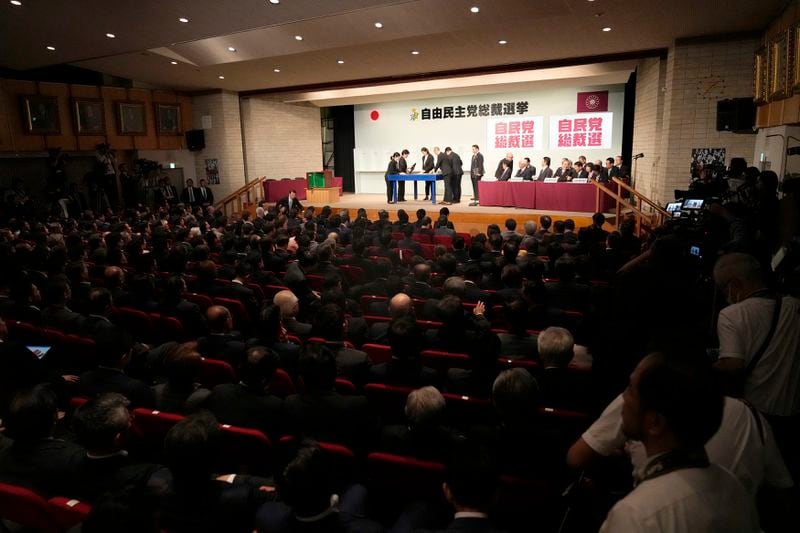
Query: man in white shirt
(671, 407)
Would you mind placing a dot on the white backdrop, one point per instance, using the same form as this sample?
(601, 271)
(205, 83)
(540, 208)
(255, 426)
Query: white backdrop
(394, 130)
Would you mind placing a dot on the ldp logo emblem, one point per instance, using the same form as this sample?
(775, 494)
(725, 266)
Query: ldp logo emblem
(592, 102)
(414, 114)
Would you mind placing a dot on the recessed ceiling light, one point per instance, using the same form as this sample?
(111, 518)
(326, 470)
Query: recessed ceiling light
(231, 49)
(606, 29)
(111, 36)
(475, 9)
(298, 37)
(340, 61)
(502, 41)
(183, 19)
(16, 3)
(379, 25)
(51, 48)
(276, 70)
(275, 2)
(173, 62)
(221, 77)
(415, 52)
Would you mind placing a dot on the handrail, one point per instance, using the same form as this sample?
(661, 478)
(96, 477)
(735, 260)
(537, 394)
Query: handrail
(638, 213)
(642, 197)
(252, 191)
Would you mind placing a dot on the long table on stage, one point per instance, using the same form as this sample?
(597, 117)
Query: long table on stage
(575, 197)
(394, 178)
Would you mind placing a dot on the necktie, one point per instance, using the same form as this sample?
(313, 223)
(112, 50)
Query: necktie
(167, 192)
(203, 190)
(191, 195)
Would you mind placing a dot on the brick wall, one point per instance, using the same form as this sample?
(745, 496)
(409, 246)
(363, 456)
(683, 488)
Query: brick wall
(223, 140)
(281, 140)
(688, 118)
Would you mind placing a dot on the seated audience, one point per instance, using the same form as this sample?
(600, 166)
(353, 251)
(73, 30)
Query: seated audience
(330, 324)
(517, 343)
(181, 393)
(405, 368)
(222, 342)
(290, 306)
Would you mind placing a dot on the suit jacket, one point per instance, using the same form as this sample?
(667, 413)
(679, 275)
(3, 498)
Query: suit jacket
(526, 173)
(63, 318)
(456, 163)
(419, 289)
(239, 405)
(186, 199)
(295, 327)
(330, 416)
(465, 525)
(277, 517)
(205, 195)
(189, 315)
(402, 165)
(95, 476)
(499, 171)
(505, 175)
(476, 168)
(169, 194)
(582, 175)
(563, 175)
(284, 202)
(396, 372)
(46, 466)
(393, 168)
(427, 163)
(103, 379)
(223, 346)
(431, 444)
(352, 364)
(518, 346)
(235, 291)
(545, 173)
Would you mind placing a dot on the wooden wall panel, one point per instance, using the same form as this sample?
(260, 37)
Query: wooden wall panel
(13, 138)
(762, 116)
(21, 141)
(66, 140)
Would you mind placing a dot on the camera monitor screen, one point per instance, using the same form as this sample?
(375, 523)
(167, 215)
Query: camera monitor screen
(674, 206)
(693, 204)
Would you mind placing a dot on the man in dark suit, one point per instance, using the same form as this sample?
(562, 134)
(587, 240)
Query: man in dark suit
(408, 242)
(546, 171)
(188, 313)
(505, 175)
(168, 192)
(99, 308)
(476, 172)
(101, 425)
(289, 202)
(405, 340)
(509, 160)
(321, 412)
(57, 315)
(619, 170)
(236, 290)
(565, 172)
(222, 342)
(560, 387)
(189, 194)
(330, 324)
(457, 174)
(421, 288)
(471, 480)
(580, 171)
(526, 170)
(36, 460)
(114, 278)
(392, 169)
(205, 194)
(444, 163)
(400, 305)
(246, 404)
(593, 238)
(290, 306)
(114, 353)
(428, 167)
(402, 166)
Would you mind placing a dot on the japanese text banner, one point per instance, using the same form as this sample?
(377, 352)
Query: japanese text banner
(585, 130)
(518, 132)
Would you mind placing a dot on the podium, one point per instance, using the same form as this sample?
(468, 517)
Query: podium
(323, 195)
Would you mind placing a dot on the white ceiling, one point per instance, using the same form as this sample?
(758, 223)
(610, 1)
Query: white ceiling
(448, 36)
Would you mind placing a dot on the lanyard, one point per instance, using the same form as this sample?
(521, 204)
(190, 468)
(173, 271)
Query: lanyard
(675, 460)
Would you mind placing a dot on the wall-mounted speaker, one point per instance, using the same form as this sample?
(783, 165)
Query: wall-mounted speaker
(737, 115)
(195, 140)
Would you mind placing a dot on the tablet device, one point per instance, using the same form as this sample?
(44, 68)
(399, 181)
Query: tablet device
(39, 351)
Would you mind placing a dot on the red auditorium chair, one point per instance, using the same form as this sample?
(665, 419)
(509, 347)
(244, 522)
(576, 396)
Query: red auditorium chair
(137, 322)
(400, 475)
(320, 340)
(281, 384)
(151, 427)
(68, 512)
(572, 424)
(215, 372)
(27, 508)
(429, 324)
(444, 360)
(22, 331)
(378, 353)
(419, 306)
(444, 240)
(529, 364)
(406, 255)
(271, 290)
(245, 451)
(467, 410)
(167, 328)
(427, 250)
(341, 459)
(241, 318)
(376, 319)
(353, 274)
(388, 400)
(344, 386)
(315, 281)
(467, 239)
(368, 299)
(257, 292)
(422, 238)
(398, 235)
(202, 301)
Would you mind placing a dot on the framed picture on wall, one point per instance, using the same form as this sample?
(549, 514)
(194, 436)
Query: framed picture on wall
(795, 57)
(779, 67)
(40, 114)
(89, 115)
(131, 119)
(168, 119)
(761, 68)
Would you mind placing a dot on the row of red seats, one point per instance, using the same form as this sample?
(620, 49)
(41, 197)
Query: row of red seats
(28, 509)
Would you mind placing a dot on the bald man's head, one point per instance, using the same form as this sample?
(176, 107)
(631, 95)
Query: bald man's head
(401, 305)
(219, 319)
(114, 276)
(288, 303)
(422, 272)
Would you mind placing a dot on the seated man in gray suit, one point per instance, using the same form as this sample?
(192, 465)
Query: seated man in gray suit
(546, 171)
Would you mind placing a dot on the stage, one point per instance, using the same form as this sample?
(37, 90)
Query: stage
(467, 219)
